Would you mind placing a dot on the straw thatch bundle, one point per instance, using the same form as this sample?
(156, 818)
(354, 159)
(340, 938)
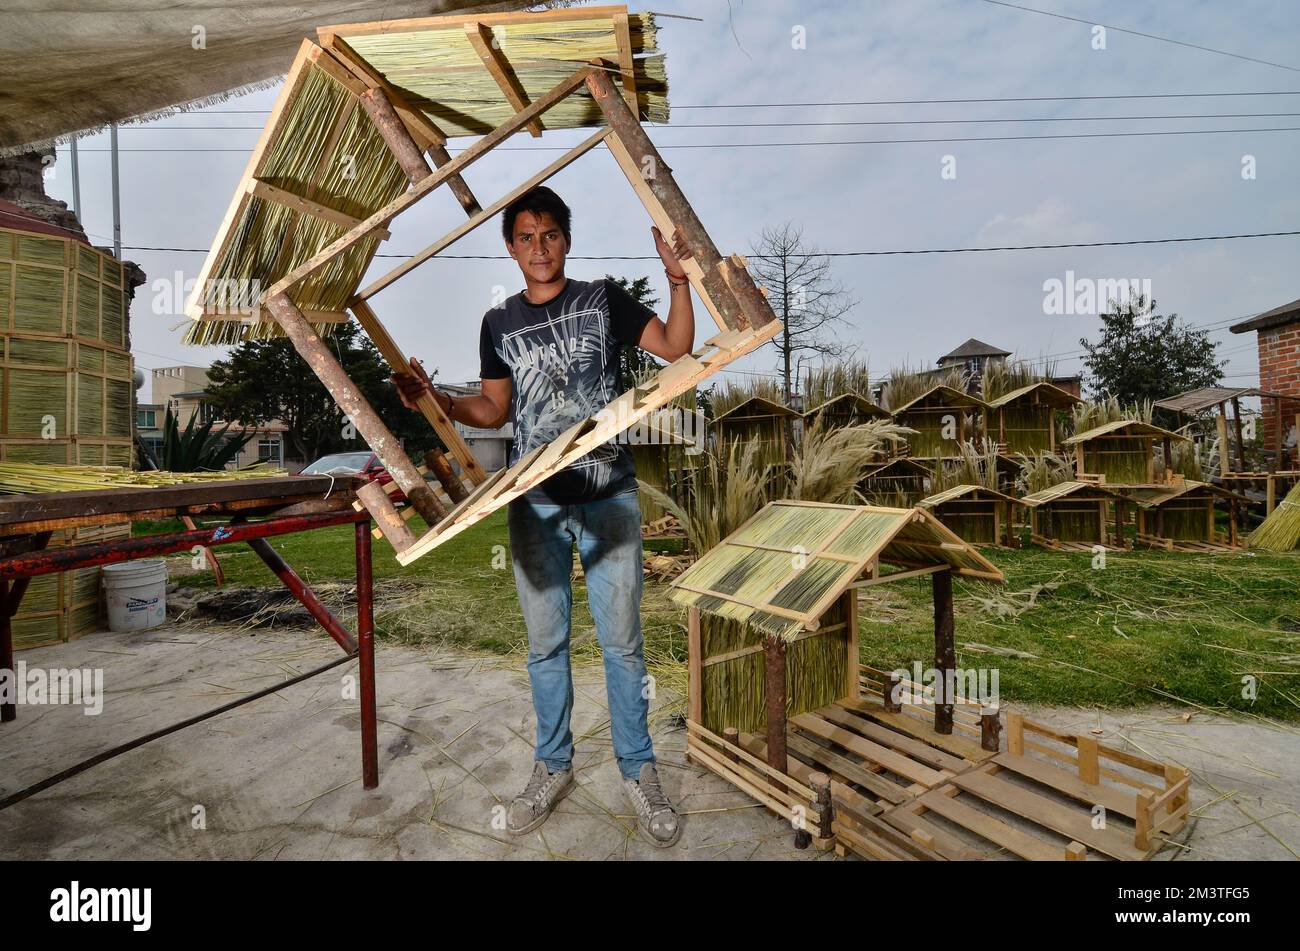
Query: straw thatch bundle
(1000, 377)
(20, 478)
(905, 385)
(1088, 416)
(976, 464)
(824, 383)
(1280, 532)
(1042, 470)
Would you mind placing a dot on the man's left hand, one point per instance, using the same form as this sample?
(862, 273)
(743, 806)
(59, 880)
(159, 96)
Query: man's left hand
(671, 256)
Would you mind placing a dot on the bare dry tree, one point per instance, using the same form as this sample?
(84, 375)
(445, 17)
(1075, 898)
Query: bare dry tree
(805, 296)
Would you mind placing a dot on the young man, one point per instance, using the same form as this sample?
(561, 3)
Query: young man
(549, 358)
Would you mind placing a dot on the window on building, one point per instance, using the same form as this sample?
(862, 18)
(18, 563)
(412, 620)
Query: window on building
(146, 419)
(268, 450)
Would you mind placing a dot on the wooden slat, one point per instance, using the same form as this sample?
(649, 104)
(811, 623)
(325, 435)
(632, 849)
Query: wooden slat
(1115, 800)
(989, 827)
(922, 729)
(896, 763)
(487, 214)
(915, 748)
(418, 191)
(260, 189)
(946, 844)
(494, 60)
(1069, 822)
(451, 438)
(854, 772)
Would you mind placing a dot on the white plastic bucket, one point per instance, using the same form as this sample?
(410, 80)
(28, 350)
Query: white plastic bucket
(136, 592)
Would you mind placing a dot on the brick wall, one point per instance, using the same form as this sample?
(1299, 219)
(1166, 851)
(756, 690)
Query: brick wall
(1279, 372)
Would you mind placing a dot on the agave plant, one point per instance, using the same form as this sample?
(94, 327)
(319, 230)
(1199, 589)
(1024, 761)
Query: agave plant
(199, 449)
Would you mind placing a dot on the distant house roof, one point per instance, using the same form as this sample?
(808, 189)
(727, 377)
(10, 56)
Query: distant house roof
(1286, 314)
(1132, 426)
(1193, 401)
(1049, 394)
(974, 348)
(748, 576)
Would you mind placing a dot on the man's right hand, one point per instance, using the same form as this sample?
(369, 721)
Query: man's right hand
(413, 385)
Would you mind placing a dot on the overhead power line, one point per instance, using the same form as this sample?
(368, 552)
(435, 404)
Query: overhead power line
(1149, 36)
(829, 254)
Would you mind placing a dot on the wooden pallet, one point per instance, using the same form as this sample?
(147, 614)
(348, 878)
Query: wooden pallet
(901, 792)
(1170, 544)
(1055, 544)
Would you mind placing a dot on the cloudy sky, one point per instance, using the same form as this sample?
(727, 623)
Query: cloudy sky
(739, 61)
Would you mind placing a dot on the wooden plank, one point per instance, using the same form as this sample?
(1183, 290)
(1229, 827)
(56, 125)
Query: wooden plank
(442, 424)
(869, 825)
(626, 61)
(988, 827)
(418, 191)
(604, 430)
(873, 752)
(260, 189)
(854, 772)
(695, 669)
(1072, 823)
(494, 60)
(1115, 800)
(959, 746)
(851, 645)
(483, 216)
(836, 713)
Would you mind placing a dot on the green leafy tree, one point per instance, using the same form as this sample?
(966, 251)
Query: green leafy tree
(199, 449)
(633, 362)
(264, 380)
(1143, 355)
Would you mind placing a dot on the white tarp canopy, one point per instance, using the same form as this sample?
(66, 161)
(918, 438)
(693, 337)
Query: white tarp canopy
(78, 65)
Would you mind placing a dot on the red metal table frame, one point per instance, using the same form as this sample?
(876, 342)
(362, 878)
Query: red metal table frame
(16, 570)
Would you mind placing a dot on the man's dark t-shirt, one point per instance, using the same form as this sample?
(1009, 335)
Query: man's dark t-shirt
(562, 360)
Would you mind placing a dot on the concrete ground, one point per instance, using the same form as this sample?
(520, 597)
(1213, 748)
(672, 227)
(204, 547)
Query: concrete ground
(279, 778)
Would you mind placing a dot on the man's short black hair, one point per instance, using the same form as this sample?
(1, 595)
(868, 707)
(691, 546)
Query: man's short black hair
(539, 200)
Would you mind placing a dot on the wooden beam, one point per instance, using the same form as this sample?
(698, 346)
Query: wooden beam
(945, 656)
(480, 37)
(439, 420)
(694, 665)
(626, 61)
(492, 19)
(774, 654)
(481, 217)
(418, 191)
(740, 302)
(320, 358)
(422, 129)
(267, 192)
(391, 128)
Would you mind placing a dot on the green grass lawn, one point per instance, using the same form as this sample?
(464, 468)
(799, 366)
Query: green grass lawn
(1147, 627)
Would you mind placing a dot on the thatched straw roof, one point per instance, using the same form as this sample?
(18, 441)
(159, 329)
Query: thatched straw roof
(782, 569)
(946, 395)
(849, 403)
(1127, 427)
(1045, 392)
(961, 491)
(1063, 489)
(1153, 497)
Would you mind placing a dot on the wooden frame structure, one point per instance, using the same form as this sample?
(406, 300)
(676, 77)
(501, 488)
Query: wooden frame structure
(1114, 453)
(926, 413)
(334, 269)
(1181, 518)
(901, 478)
(897, 769)
(1032, 410)
(975, 514)
(1073, 516)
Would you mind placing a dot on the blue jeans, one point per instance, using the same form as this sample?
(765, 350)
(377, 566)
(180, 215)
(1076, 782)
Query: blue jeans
(608, 536)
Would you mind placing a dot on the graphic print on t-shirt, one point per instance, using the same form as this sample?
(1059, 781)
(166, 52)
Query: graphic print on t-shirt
(563, 362)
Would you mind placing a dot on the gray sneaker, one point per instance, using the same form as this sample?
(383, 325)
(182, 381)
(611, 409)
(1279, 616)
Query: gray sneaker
(655, 814)
(530, 808)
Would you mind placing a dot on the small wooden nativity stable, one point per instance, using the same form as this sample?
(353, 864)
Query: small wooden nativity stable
(1122, 453)
(359, 134)
(1024, 420)
(1181, 517)
(975, 514)
(865, 760)
(1075, 516)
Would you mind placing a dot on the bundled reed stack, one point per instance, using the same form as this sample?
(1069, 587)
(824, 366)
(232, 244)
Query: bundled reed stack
(66, 395)
(1280, 532)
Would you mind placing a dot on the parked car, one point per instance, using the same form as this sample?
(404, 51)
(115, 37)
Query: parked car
(363, 464)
